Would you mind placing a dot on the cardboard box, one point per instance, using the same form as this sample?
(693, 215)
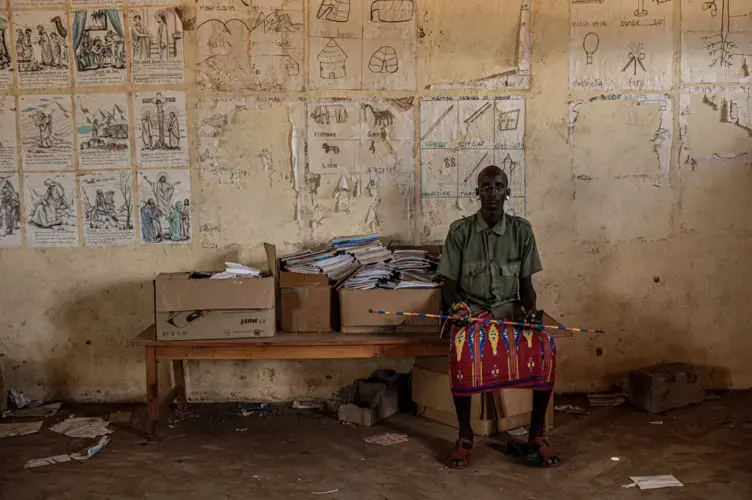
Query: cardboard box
(354, 306)
(305, 303)
(216, 325)
(492, 412)
(175, 292)
(206, 309)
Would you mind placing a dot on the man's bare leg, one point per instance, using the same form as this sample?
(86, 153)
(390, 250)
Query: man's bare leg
(459, 457)
(538, 417)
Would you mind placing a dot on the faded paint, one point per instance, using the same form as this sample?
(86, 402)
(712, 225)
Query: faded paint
(657, 262)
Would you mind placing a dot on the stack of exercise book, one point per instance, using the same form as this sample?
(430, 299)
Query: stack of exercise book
(340, 259)
(406, 269)
(414, 269)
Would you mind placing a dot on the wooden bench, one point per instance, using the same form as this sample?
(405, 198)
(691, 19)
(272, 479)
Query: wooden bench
(332, 345)
(281, 346)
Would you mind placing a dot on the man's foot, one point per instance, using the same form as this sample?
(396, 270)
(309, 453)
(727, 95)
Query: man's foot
(460, 456)
(535, 453)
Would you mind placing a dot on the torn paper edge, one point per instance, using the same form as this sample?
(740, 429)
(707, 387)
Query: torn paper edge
(516, 79)
(686, 158)
(662, 140)
(61, 459)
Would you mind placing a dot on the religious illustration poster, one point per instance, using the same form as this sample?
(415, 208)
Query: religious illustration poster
(161, 129)
(157, 46)
(373, 136)
(716, 41)
(10, 211)
(223, 41)
(102, 131)
(460, 136)
(8, 138)
(362, 45)
(51, 209)
(277, 38)
(164, 200)
(107, 203)
(99, 47)
(6, 69)
(621, 45)
(715, 125)
(46, 123)
(41, 41)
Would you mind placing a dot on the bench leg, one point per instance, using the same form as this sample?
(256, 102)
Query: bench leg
(152, 389)
(178, 372)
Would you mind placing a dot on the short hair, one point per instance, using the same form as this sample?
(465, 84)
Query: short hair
(491, 170)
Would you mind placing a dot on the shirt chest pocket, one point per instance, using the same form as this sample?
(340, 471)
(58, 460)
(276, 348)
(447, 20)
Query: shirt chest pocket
(475, 279)
(509, 277)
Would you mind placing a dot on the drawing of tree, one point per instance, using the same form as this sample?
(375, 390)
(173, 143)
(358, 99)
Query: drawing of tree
(126, 189)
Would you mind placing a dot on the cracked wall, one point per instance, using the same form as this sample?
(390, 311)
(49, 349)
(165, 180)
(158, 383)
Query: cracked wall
(635, 238)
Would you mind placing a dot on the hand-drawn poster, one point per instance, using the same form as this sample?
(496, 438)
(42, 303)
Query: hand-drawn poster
(41, 41)
(37, 3)
(459, 137)
(157, 46)
(10, 211)
(99, 47)
(362, 45)
(164, 200)
(77, 3)
(51, 210)
(277, 40)
(360, 136)
(6, 70)
(102, 131)
(46, 132)
(223, 41)
(161, 129)
(621, 45)
(716, 41)
(8, 137)
(153, 2)
(715, 124)
(107, 203)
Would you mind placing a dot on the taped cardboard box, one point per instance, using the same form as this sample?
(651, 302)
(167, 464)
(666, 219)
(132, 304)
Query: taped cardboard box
(206, 309)
(492, 412)
(305, 303)
(216, 325)
(354, 306)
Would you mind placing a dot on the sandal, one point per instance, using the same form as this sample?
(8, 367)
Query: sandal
(537, 453)
(460, 456)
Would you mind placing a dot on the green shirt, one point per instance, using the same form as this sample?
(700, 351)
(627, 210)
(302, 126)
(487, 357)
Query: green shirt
(489, 262)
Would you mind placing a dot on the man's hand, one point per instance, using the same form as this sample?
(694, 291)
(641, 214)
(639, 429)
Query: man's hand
(461, 310)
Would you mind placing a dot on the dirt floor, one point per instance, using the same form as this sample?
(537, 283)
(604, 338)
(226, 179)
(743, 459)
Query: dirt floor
(209, 453)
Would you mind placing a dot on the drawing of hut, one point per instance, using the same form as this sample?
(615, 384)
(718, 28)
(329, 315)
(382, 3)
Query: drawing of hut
(332, 61)
(384, 60)
(334, 10)
(392, 11)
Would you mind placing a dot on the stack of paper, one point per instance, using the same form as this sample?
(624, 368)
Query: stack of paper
(374, 253)
(369, 277)
(233, 270)
(416, 269)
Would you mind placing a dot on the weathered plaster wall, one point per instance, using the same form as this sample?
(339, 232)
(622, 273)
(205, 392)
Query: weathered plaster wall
(657, 261)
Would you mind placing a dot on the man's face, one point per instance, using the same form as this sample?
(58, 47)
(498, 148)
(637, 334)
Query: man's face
(493, 190)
